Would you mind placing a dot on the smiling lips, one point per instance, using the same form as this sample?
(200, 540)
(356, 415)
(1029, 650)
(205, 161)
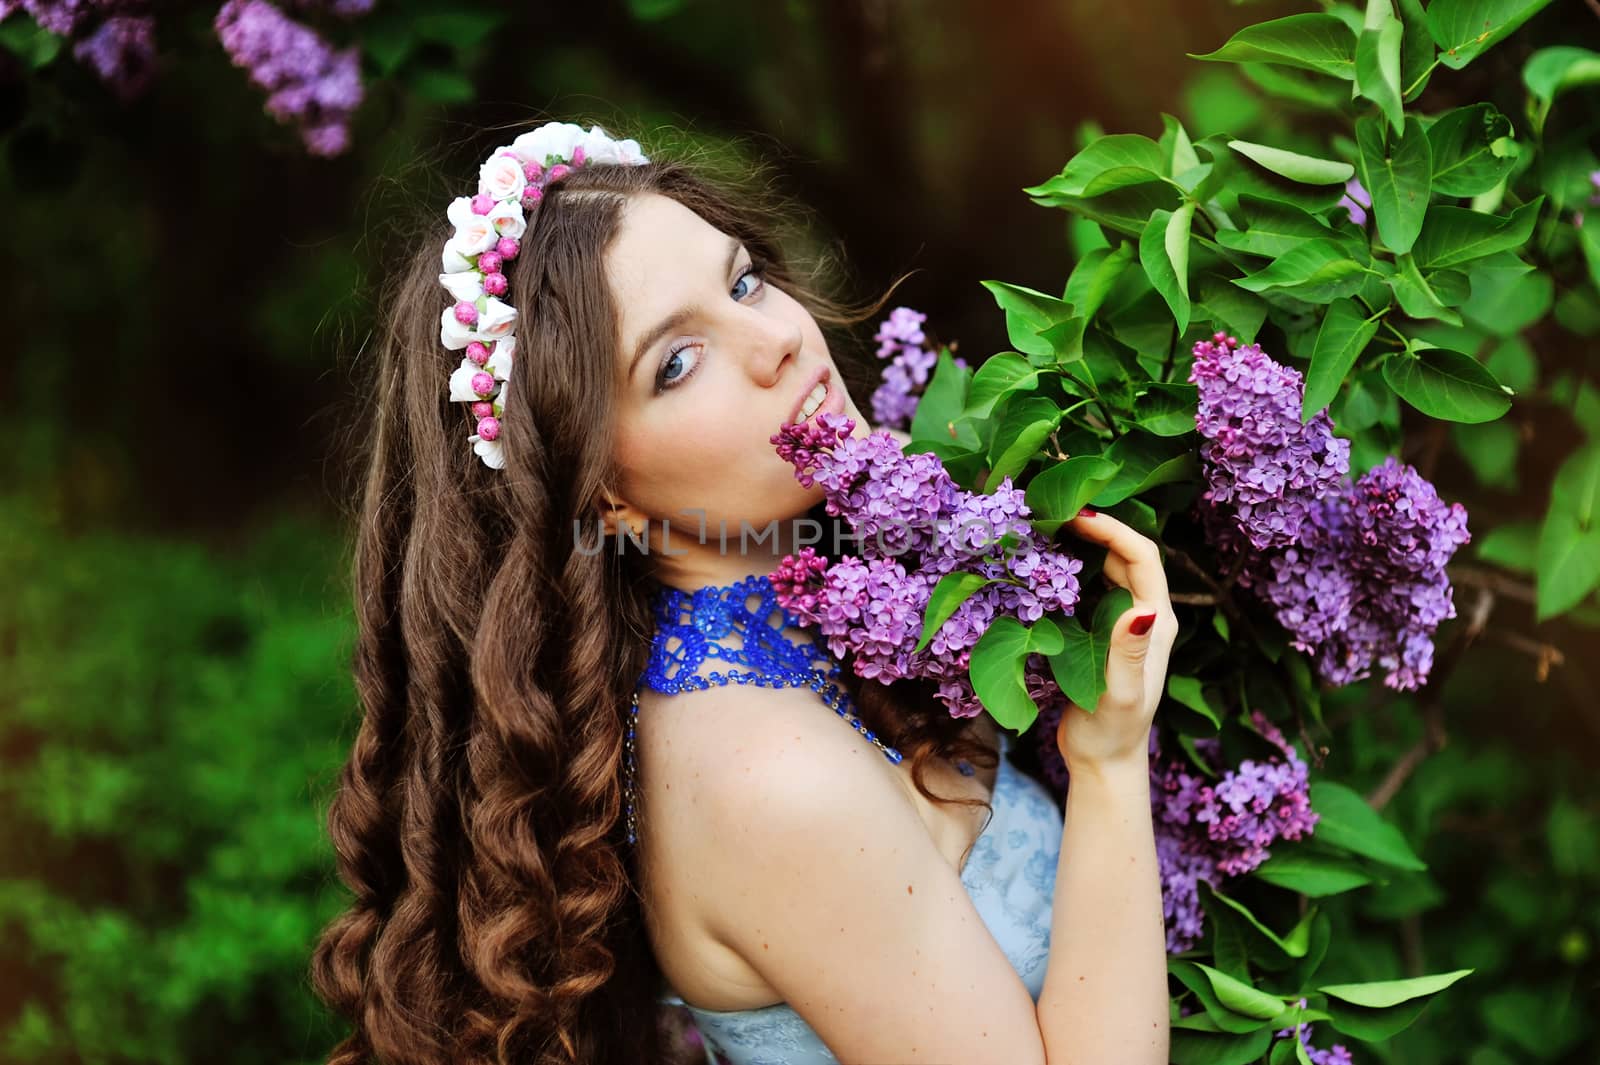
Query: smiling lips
(820, 396)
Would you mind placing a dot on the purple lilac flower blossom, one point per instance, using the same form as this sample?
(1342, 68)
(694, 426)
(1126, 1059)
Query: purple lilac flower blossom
(308, 82)
(1355, 200)
(901, 339)
(122, 51)
(1206, 828)
(1361, 584)
(915, 525)
(1338, 1054)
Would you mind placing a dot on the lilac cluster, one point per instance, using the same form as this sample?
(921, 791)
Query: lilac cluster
(901, 340)
(1338, 1054)
(1260, 461)
(1594, 198)
(119, 45)
(915, 525)
(1354, 572)
(1356, 201)
(1206, 828)
(308, 82)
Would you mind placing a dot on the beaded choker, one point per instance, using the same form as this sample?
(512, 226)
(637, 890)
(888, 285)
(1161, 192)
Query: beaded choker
(691, 628)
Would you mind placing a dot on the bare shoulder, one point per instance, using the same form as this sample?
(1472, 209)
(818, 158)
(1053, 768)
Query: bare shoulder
(820, 876)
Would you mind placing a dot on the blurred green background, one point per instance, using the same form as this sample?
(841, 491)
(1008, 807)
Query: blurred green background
(189, 298)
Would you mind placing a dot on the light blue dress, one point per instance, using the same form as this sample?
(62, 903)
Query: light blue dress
(1009, 874)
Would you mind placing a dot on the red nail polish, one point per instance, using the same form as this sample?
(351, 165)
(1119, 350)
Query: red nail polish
(1141, 624)
(1086, 512)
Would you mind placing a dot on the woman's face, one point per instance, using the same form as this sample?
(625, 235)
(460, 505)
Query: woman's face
(714, 359)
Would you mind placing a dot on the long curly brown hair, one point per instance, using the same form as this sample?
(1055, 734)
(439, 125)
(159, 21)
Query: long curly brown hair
(478, 820)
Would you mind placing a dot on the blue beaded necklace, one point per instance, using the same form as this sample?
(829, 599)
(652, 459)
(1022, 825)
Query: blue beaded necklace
(688, 626)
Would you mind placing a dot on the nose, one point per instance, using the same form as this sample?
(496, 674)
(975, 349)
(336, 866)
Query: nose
(774, 343)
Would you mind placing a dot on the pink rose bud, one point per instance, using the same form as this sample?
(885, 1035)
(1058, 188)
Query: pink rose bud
(466, 313)
(531, 195)
(482, 203)
(495, 284)
(508, 247)
(482, 383)
(577, 156)
(489, 427)
(482, 409)
(557, 172)
(489, 263)
(532, 171)
(477, 352)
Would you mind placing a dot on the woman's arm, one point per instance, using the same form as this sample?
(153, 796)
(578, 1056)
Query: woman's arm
(1105, 991)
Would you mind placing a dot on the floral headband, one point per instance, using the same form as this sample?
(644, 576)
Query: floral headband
(489, 228)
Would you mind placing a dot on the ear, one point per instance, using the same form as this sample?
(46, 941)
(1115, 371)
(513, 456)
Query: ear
(616, 513)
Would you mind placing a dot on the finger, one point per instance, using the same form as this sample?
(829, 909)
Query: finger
(1125, 664)
(1133, 561)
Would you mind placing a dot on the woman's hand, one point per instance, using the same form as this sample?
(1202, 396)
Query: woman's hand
(1136, 669)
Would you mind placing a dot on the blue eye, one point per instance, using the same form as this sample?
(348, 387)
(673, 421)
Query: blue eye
(757, 271)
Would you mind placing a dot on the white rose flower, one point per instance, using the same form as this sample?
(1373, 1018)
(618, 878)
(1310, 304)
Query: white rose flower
(499, 401)
(499, 362)
(507, 219)
(477, 235)
(453, 261)
(501, 177)
(463, 285)
(461, 383)
(599, 148)
(550, 139)
(496, 320)
(452, 334)
(628, 153)
(491, 451)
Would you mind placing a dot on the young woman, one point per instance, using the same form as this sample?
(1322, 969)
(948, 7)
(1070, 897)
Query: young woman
(597, 770)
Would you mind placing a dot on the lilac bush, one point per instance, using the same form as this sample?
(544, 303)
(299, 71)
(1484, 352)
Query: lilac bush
(901, 340)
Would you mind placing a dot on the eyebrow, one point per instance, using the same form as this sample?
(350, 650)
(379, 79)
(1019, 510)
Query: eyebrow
(679, 316)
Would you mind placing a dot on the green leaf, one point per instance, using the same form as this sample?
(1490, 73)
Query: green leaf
(1176, 147)
(1491, 450)
(1513, 545)
(1166, 408)
(1240, 997)
(1229, 307)
(1508, 295)
(1187, 691)
(1145, 461)
(1397, 177)
(1217, 1048)
(1416, 50)
(1467, 151)
(1028, 313)
(1567, 556)
(1109, 163)
(1310, 42)
(996, 668)
(1345, 820)
(942, 402)
(457, 27)
(1589, 241)
(1343, 336)
(1415, 296)
(1316, 270)
(1057, 494)
(1274, 227)
(1079, 668)
(30, 42)
(1306, 169)
(1378, 63)
(1464, 29)
(1310, 873)
(1164, 254)
(1094, 277)
(1001, 374)
(1023, 428)
(946, 598)
(1452, 235)
(1446, 384)
(1381, 994)
(1551, 71)
(1294, 944)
